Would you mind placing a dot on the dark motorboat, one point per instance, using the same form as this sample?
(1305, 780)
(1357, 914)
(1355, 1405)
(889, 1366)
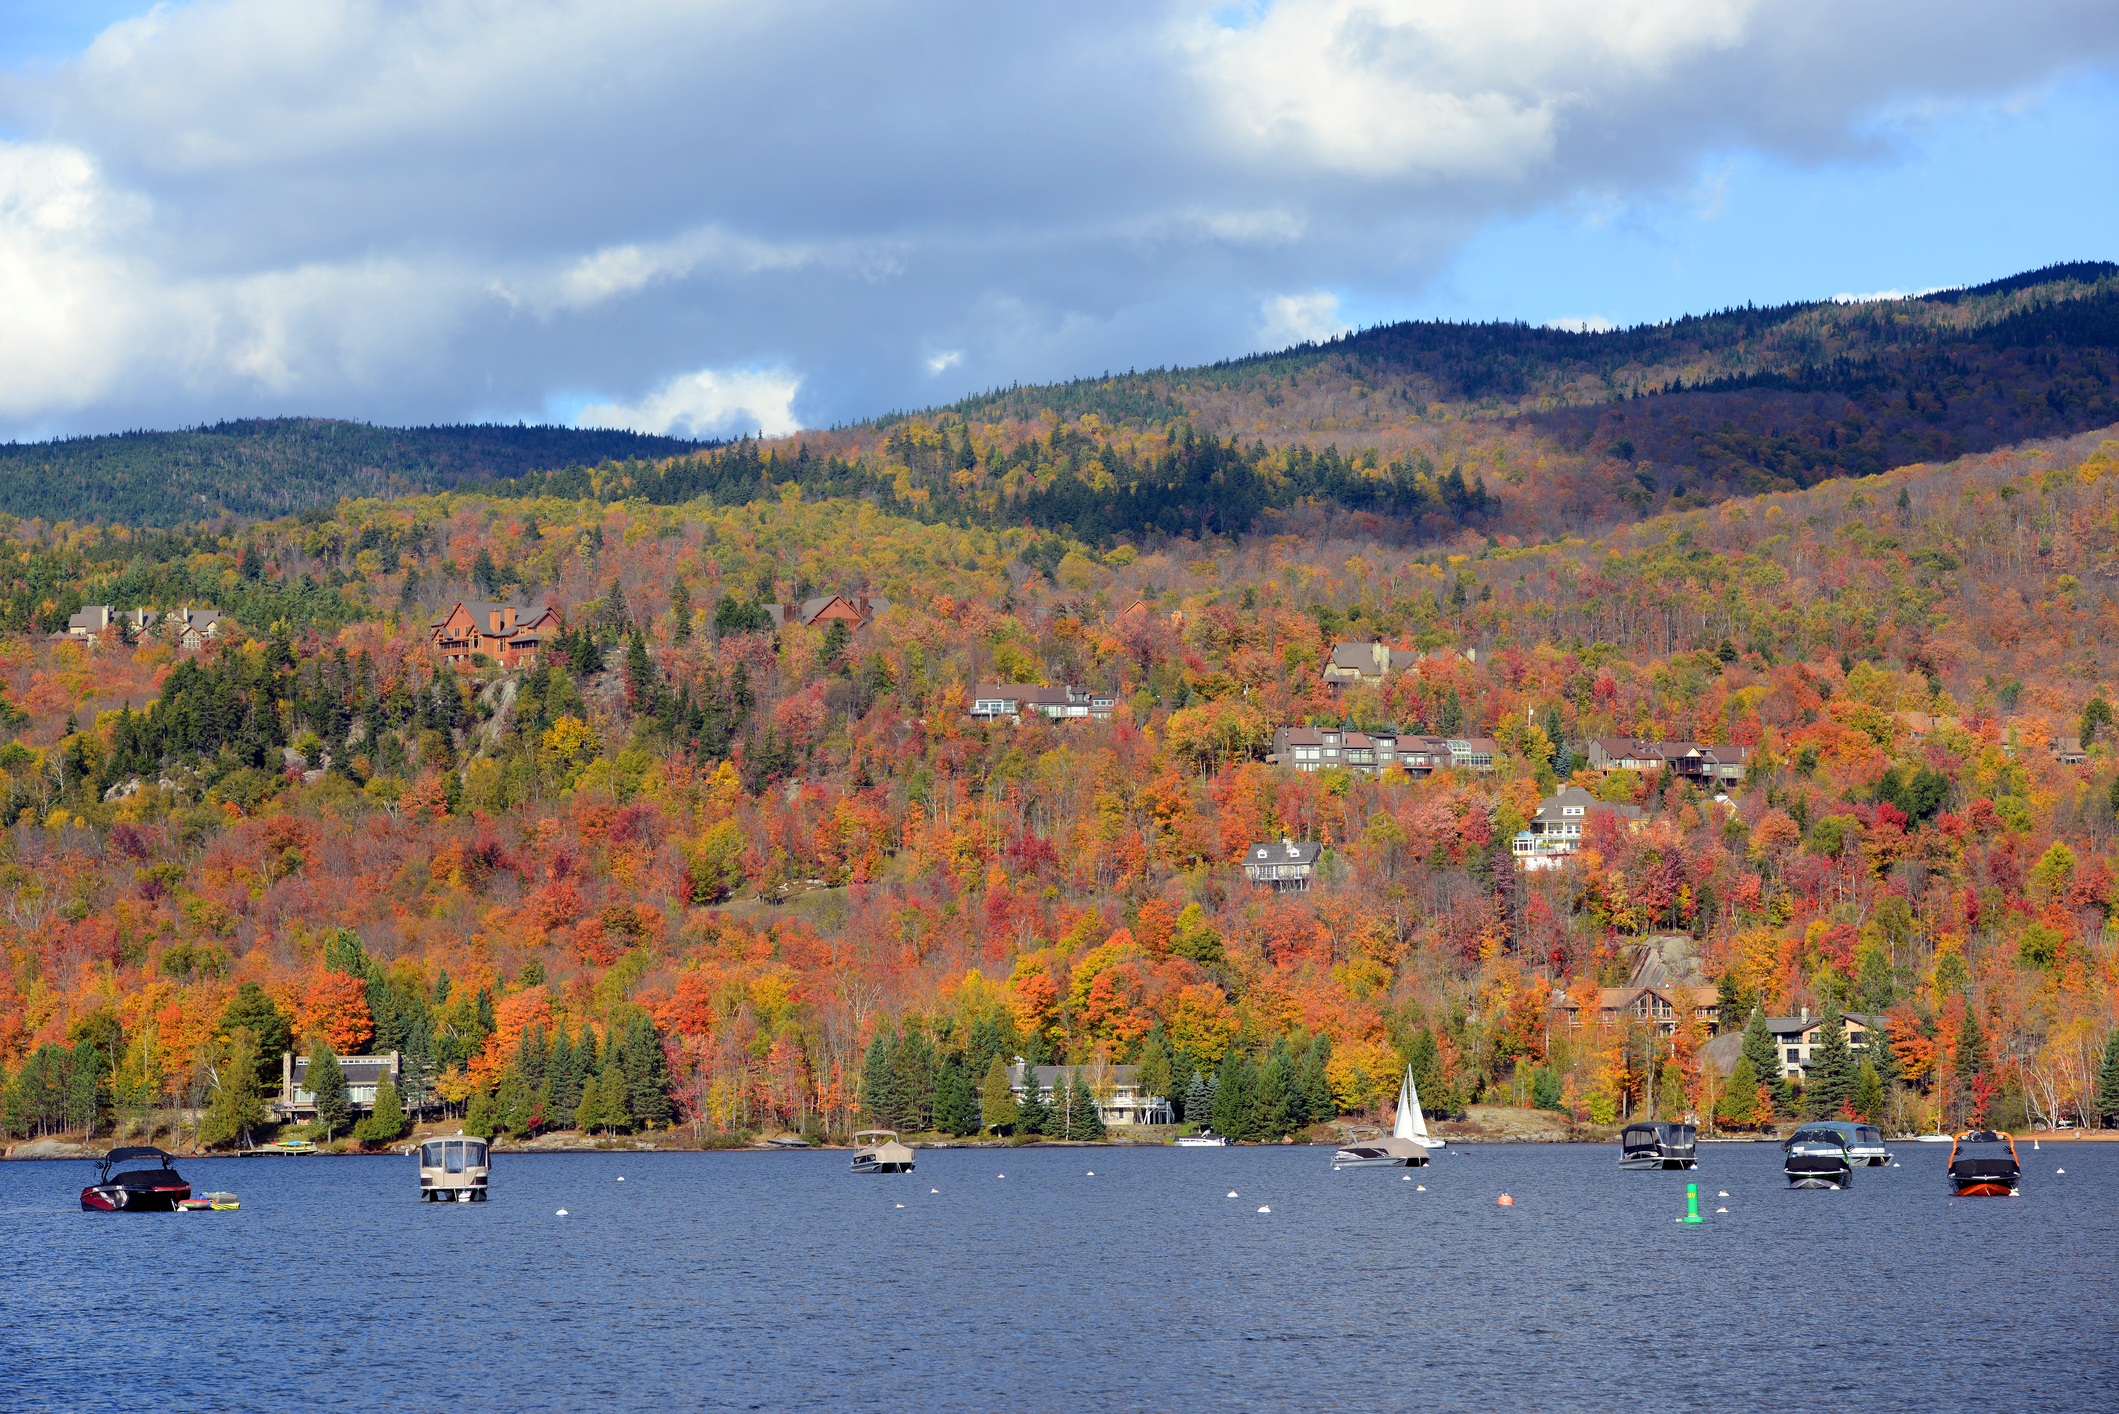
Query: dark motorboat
(1659, 1145)
(1818, 1158)
(140, 1190)
(1983, 1164)
(1863, 1143)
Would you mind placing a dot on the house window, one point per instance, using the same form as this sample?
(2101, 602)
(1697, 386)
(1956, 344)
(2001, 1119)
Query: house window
(1794, 1056)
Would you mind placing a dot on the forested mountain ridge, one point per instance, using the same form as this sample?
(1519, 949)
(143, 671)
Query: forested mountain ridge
(276, 466)
(1503, 429)
(697, 867)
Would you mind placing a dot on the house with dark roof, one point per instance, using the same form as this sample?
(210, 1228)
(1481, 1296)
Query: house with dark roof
(1795, 1037)
(1318, 748)
(1063, 703)
(363, 1075)
(1664, 1007)
(1116, 1089)
(510, 634)
(1556, 832)
(1367, 664)
(1708, 762)
(1284, 867)
(828, 609)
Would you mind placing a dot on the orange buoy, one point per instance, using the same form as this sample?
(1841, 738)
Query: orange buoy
(1505, 1201)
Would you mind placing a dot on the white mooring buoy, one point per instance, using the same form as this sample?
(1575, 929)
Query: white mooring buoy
(1265, 1210)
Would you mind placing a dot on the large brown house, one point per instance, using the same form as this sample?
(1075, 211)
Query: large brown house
(510, 634)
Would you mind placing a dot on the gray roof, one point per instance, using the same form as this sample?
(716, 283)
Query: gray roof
(1282, 852)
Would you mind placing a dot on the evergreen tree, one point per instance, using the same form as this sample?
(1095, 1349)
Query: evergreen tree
(1971, 1064)
(236, 1108)
(1152, 1074)
(1764, 1053)
(1869, 1094)
(1832, 1072)
(1199, 1102)
(647, 1075)
(2108, 1082)
(1738, 1103)
(1425, 1059)
(1032, 1115)
(996, 1099)
(914, 1065)
(1545, 1089)
(955, 1111)
(1271, 1110)
(479, 1115)
(250, 1008)
(1084, 1121)
(386, 1121)
(326, 1080)
(879, 1093)
(616, 612)
(1316, 1085)
(680, 612)
(565, 1076)
(615, 1108)
(84, 1091)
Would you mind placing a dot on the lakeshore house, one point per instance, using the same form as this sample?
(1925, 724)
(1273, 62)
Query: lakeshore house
(1116, 1089)
(1795, 1037)
(511, 635)
(1556, 832)
(363, 1075)
(1377, 753)
(1063, 703)
(1285, 867)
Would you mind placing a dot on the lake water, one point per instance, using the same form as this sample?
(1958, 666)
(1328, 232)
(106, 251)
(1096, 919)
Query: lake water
(781, 1281)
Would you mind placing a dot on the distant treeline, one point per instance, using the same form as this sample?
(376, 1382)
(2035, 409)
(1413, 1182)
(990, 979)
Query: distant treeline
(279, 466)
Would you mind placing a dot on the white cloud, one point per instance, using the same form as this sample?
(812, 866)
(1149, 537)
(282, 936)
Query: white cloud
(416, 212)
(708, 404)
(1295, 319)
(946, 360)
(1594, 324)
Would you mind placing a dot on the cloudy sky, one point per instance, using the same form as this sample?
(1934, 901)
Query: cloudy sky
(702, 217)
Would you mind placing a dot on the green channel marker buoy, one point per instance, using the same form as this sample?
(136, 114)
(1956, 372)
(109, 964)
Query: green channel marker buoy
(1692, 1203)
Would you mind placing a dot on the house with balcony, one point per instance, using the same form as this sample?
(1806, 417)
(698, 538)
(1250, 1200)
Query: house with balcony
(1119, 1097)
(1709, 763)
(1664, 1008)
(1284, 867)
(511, 635)
(1557, 831)
(828, 609)
(1795, 1038)
(1366, 664)
(1317, 748)
(1063, 703)
(363, 1075)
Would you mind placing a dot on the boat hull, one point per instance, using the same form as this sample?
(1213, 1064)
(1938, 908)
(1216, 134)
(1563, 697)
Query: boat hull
(1817, 1180)
(881, 1166)
(133, 1197)
(1985, 1188)
(1659, 1163)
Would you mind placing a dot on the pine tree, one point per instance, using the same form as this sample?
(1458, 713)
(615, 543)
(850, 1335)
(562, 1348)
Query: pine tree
(996, 1099)
(1233, 1086)
(680, 612)
(1270, 1108)
(1032, 1115)
(386, 1121)
(1317, 1085)
(616, 612)
(1764, 1053)
(236, 1108)
(879, 1097)
(327, 1082)
(1151, 1076)
(1084, 1121)
(1199, 1102)
(1869, 1094)
(588, 1115)
(1738, 1103)
(251, 1008)
(566, 1076)
(914, 1080)
(647, 1076)
(1832, 1074)
(955, 1108)
(2108, 1082)
(616, 1104)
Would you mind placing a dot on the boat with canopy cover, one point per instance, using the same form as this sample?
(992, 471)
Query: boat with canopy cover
(1817, 1157)
(1659, 1144)
(878, 1151)
(1406, 1146)
(138, 1190)
(1983, 1164)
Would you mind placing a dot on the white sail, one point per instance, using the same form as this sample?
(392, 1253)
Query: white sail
(1410, 1124)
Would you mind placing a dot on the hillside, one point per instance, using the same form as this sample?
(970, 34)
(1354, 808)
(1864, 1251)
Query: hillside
(269, 467)
(694, 868)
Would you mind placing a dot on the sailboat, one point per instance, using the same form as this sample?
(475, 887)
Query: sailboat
(1407, 1144)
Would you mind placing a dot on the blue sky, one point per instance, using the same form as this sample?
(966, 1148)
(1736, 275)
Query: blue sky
(702, 217)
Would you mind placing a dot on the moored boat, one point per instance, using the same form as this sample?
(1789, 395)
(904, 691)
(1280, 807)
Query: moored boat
(1205, 1139)
(454, 1170)
(1406, 1146)
(1863, 1144)
(1817, 1157)
(1659, 1144)
(141, 1190)
(1983, 1164)
(281, 1148)
(880, 1153)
